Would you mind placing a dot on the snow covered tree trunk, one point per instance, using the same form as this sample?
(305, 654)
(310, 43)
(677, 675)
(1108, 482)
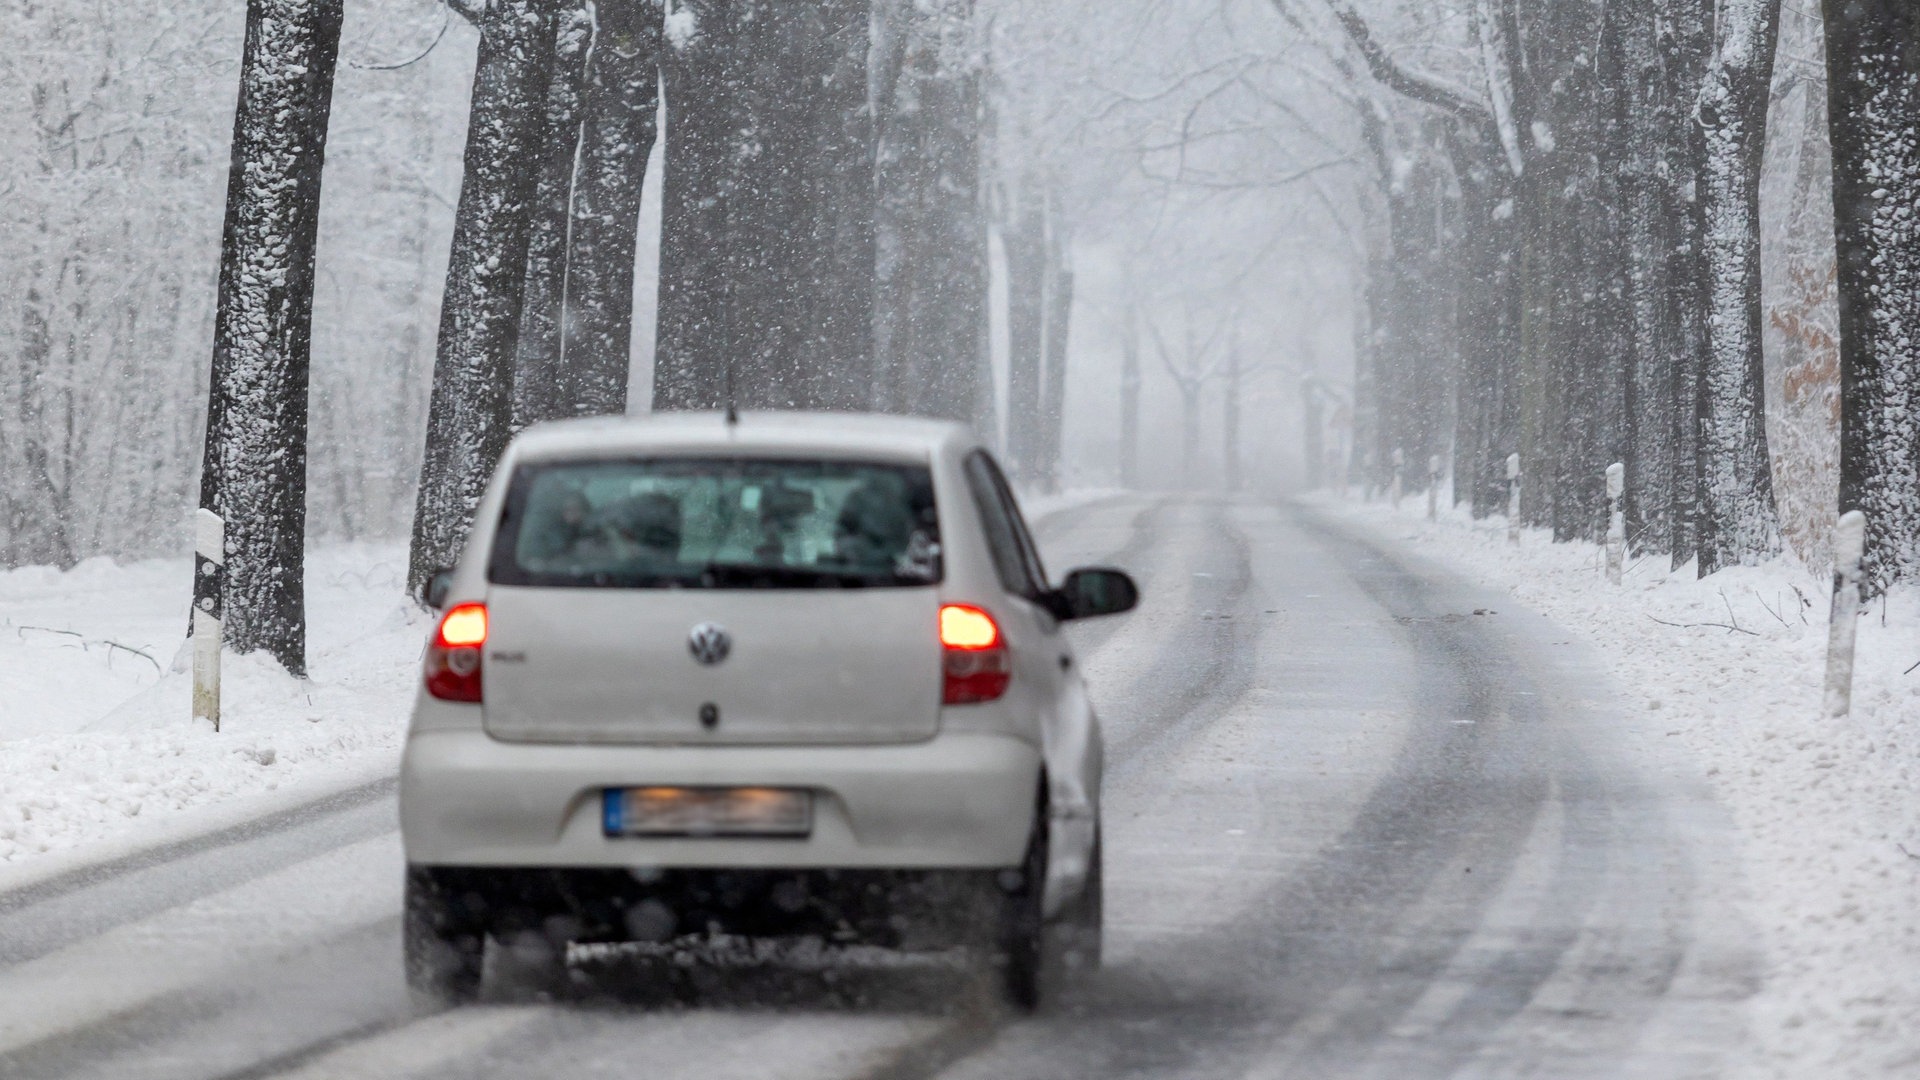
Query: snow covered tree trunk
(263, 328)
(469, 416)
(694, 350)
(541, 387)
(620, 114)
(1417, 329)
(1129, 400)
(1663, 49)
(38, 532)
(1230, 420)
(1190, 390)
(1059, 315)
(1363, 466)
(930, 311)
(1484, 415)
(1738, 523)
(833, 232)
(1023, 234)
(766, 264)
(1687, 45)
(1873, 63)
(1313, 444)
(1650, 459)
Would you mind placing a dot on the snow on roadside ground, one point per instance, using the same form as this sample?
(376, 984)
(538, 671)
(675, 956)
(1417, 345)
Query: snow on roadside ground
(1829, 810)
(96, 740)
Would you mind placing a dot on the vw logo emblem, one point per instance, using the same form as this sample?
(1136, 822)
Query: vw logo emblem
(709, 643)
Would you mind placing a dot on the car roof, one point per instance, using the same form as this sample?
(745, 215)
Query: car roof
(914, 438)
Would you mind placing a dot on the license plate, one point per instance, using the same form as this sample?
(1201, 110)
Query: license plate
(707, 811)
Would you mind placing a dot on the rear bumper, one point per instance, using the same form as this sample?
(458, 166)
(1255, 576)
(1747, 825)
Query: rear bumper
(954, 801)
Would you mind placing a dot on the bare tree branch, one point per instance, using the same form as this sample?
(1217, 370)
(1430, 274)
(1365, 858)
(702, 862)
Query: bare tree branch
(471, 10)
(1408, 83)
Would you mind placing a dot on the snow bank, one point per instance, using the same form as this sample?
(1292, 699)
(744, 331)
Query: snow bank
(96, 738)
(1829, 811)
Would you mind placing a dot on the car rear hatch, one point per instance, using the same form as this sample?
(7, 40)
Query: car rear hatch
(715, 601)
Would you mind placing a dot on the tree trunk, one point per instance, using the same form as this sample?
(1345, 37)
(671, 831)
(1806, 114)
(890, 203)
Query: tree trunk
(1129, 400)
(1023, 234)
(1873, 64)
(766, 265)
(1059, 314)
(1189, 433)
(263, 331)
(833, 261)
(542, 389)
(1363, 468)
(1738, 522)
(620, 115)
(469, 417)
(1313, 430)
(1484, 415)
(1230, 420)
(931, 355)
(38, 534)
(693, 360)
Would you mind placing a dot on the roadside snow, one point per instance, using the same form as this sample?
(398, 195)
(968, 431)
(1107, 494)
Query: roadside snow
(1827, 809)
(96, 738)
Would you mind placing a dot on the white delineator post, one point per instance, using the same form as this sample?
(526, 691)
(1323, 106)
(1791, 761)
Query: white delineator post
(1513, 499)
(209, 588)
(1616, 522)
(1849, 544)
(1433, 488)
(1399, 467)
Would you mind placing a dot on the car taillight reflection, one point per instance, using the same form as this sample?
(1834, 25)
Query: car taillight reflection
(977, 667)
(453, 657)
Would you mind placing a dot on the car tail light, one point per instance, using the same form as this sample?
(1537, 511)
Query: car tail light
(453, 657)
(977, 667)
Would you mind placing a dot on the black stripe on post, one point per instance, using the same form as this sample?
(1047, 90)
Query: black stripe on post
(209, 585)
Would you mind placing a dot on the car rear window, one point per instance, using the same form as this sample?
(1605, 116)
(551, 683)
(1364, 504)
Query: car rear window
(718, 523)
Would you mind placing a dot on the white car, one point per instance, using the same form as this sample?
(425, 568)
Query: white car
(783, 674)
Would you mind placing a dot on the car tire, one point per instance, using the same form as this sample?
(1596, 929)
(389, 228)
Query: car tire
(1023, 937)
(443, 942)
(1081, 926)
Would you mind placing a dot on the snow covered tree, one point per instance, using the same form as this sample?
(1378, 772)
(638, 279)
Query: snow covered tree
(469, 417)
(1663, 55)
(767, 271)
(1023, 229)
(576, 326)
(256, 465)
(619, 117)
(1738, 523)
(1873, 72)
(1607, 159)
(540, 383)
(930, 308)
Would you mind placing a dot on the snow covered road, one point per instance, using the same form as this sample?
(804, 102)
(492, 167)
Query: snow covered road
(1362, 821)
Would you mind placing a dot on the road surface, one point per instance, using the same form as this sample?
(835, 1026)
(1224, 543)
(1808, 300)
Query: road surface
(1361, 821)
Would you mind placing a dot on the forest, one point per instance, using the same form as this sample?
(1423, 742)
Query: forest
(1264, 244)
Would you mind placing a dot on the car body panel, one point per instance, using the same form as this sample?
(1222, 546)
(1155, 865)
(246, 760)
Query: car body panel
(954, 801)
(615, 666)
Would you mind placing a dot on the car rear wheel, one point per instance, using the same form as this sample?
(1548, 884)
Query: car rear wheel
(443, 941)
(1080, 927)
(1023, 946)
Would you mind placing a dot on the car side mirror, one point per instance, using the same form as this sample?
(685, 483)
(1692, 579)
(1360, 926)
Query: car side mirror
(439, 584)
(1095, 591)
